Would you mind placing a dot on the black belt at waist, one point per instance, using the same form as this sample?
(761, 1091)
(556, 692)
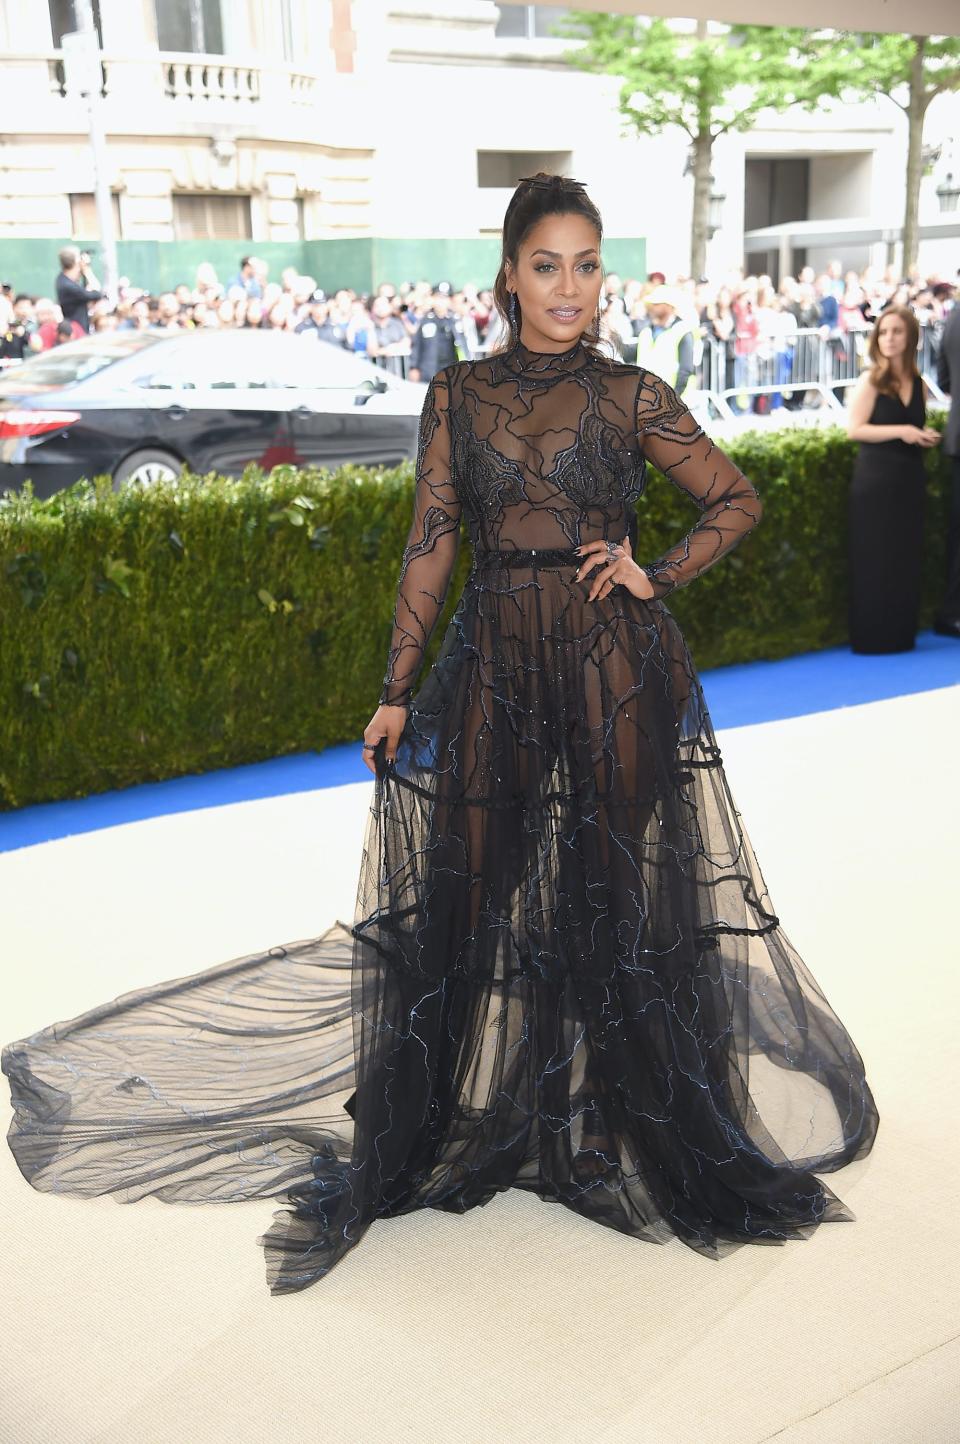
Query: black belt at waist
(532, 556)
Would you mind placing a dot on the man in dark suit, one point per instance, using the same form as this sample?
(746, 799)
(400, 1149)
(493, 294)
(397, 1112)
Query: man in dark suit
(947, 620)
(438, 340)
(76, 286)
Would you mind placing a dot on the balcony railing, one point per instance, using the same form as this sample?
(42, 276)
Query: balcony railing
(210, 79)
(182, 78)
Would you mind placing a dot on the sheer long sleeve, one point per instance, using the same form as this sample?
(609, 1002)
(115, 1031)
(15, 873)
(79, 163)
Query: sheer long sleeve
(431, 549)
(673, 440)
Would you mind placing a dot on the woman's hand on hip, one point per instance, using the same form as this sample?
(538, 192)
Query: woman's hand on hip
(608, 569)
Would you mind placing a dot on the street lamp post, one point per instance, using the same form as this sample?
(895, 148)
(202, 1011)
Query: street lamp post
(715, 212)
(948, 190)
(83, 73)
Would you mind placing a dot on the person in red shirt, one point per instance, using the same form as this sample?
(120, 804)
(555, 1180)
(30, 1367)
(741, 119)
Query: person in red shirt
(49, 316)
(746, 340)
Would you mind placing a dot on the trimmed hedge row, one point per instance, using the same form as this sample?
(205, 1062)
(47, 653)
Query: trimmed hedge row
(149, 633)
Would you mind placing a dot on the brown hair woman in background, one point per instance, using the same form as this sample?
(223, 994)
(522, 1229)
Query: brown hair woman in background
(887, 497)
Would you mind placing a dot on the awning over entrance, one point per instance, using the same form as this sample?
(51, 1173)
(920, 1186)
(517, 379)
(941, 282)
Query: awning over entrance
(858, 231)
(909, 17)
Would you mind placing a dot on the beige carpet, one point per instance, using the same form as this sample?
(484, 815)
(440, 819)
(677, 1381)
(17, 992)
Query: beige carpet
(520, 1321)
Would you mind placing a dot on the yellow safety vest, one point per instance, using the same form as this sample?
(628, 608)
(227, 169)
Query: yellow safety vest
(660, 354)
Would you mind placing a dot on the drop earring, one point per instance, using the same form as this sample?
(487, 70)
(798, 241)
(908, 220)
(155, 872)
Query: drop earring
(513, 308)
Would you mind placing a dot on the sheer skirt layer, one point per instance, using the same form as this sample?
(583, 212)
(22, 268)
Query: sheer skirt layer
(564, 974)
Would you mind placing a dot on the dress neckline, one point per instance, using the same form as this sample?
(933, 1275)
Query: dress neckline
(524, 360)
(913, 391)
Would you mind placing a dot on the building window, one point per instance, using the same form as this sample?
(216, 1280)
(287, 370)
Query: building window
(528, 22)
(193, 27)
(65, 21)
(497, 169)
(211, 218)
(84, 221)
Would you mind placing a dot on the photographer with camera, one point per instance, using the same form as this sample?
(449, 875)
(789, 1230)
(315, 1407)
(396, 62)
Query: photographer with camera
(77, 286)
(18, 332)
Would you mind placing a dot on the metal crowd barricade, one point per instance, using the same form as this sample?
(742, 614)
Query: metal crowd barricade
(803, 369)
(811, 361)
(398, 365)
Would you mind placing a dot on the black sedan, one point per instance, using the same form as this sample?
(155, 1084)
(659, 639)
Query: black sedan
(144, 405)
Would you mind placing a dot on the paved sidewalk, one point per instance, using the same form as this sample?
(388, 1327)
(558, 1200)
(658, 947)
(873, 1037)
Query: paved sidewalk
(519, 1321)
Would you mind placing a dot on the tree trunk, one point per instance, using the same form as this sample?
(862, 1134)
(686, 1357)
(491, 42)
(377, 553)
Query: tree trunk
(702, 153)
(916, 112)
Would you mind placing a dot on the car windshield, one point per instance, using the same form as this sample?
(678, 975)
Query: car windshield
(74, 361)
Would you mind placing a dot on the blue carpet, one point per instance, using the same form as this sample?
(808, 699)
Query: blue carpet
(737, 696)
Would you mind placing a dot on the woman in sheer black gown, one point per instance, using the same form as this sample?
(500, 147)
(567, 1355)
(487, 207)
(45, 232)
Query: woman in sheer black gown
(564, 973)
(886, 503)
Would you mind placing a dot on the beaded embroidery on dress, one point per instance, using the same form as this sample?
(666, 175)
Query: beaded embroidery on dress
(564, 972)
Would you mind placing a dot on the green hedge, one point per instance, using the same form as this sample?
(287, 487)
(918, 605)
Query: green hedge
(155, 632)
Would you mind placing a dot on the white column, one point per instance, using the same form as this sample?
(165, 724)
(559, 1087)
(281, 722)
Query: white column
(786, 255)
(266, 23)
(134, 78)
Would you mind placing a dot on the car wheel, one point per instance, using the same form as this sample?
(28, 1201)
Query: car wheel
(146, 467)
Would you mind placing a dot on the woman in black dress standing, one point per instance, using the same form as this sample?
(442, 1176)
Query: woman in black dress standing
(564, 972)
(888, 489)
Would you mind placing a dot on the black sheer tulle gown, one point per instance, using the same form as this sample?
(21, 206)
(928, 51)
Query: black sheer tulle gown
(564, 973)
(886, 509)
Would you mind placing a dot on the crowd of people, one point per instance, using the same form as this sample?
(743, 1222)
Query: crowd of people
(739, 334)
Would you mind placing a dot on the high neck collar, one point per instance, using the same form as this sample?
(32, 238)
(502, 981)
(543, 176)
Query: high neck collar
(522, 359)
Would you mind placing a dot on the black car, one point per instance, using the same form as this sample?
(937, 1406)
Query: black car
(142, 405)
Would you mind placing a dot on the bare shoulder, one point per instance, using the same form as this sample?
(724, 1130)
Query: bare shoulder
(863, 395)
(860, 403)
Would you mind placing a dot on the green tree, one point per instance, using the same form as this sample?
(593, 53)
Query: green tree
(706, 82)
(848, 65)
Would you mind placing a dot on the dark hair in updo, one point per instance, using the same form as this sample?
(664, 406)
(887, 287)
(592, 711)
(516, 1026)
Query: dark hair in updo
(543, 194)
